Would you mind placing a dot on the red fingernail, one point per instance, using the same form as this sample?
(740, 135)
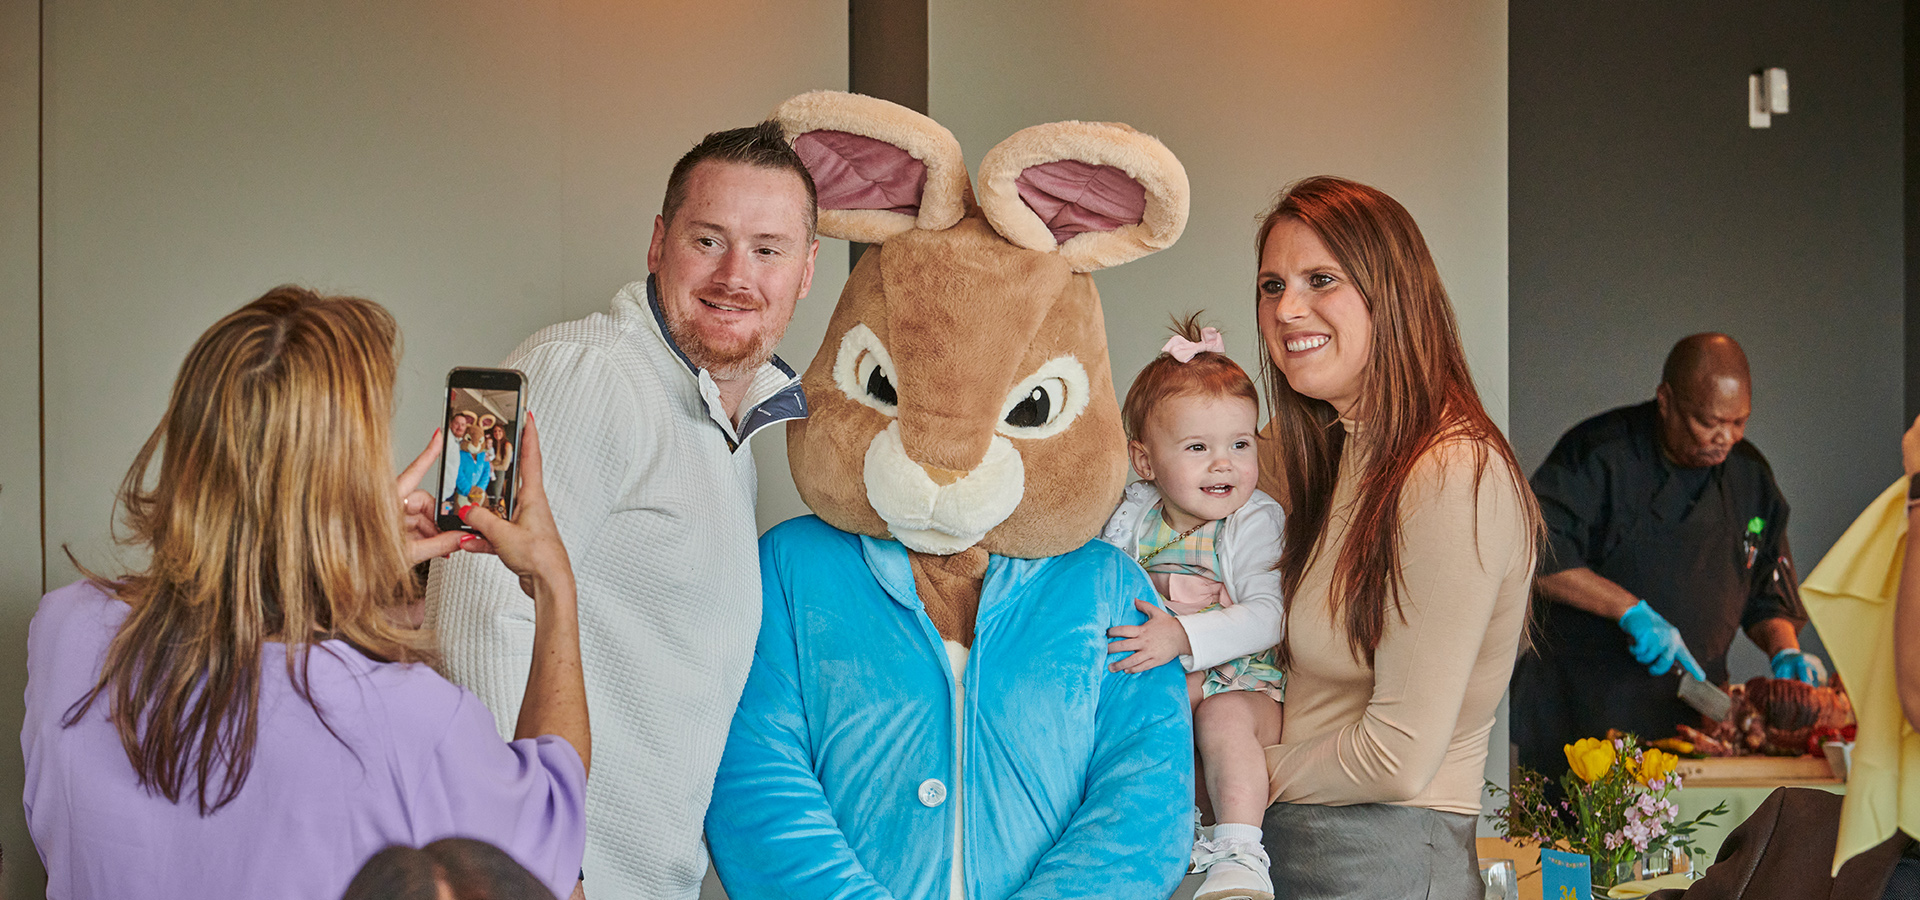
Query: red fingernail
(465, 539)
(463, 512)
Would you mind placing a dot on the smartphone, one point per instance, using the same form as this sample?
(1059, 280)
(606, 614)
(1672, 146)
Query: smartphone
(480, 462)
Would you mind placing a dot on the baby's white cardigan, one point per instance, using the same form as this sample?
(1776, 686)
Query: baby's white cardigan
(1249, 549)
(657, 514)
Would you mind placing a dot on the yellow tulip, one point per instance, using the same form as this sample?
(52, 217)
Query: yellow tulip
(1590, 758)
(1656, 765)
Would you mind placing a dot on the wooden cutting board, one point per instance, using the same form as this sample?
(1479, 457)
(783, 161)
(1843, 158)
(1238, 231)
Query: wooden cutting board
(1756, 771)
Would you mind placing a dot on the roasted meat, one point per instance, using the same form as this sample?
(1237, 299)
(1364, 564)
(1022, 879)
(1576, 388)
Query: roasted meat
(1776, 717)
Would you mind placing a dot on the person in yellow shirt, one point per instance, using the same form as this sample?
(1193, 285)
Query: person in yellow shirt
(1906, 616)
(1905, 881)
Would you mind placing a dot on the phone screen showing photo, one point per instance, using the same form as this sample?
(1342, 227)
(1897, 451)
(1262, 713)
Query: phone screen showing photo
(482, 435)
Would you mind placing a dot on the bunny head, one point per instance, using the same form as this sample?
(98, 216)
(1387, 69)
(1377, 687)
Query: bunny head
(962, 396)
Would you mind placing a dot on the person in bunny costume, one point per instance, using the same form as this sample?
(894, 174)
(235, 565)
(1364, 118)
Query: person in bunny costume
(929, 711)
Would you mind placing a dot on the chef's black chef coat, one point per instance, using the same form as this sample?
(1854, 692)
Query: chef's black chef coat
(1705, 547)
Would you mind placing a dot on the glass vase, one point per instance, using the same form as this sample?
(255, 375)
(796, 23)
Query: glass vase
(1655, 862)
(1623, 871)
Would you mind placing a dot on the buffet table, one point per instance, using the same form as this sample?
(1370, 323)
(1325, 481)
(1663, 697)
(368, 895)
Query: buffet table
(1743, 782)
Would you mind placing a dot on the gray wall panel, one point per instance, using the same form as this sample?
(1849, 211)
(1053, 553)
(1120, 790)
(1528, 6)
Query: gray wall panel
(19, 411)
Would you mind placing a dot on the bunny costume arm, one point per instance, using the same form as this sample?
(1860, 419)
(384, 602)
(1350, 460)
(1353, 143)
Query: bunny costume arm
(1250, 552)
(1128, 804)
(770, 826)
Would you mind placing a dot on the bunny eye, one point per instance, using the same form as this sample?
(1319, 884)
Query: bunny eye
(1046, 402)
(879, 387)
(1039, 406)
(864, 371)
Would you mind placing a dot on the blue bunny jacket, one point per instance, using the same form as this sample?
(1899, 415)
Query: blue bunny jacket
(840, 770)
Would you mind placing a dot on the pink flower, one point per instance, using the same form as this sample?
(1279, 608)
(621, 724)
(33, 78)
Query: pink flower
(1612, 840)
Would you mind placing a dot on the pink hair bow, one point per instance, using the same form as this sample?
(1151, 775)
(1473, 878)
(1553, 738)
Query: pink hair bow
(1183, 350)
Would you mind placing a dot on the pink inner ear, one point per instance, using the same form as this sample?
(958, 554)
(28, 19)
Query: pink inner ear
(1072, 197)
(852, 171)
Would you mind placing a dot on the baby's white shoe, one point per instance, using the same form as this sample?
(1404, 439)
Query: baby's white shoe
(1201, 835)
(1236, 869)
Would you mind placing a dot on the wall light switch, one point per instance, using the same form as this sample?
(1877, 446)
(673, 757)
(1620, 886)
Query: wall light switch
(1758, 115)
(1776, 90)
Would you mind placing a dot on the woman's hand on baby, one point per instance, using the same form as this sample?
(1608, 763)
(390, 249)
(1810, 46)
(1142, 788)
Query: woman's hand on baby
(1156, 643)
(529, 544)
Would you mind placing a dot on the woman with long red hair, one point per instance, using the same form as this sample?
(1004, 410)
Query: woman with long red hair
(1408, 550)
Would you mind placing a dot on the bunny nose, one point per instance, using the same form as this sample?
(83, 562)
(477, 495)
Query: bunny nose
(938, 510)
(942, 477)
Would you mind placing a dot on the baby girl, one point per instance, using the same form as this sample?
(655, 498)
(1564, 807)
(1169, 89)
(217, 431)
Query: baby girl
(1211, 543)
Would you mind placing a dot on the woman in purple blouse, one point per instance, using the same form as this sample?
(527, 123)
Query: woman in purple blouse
(250, 715)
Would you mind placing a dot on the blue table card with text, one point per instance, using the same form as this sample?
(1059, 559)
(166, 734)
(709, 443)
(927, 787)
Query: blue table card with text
(1565, 876)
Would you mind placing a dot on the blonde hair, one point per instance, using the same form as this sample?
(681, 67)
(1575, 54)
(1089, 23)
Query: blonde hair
(272, 517)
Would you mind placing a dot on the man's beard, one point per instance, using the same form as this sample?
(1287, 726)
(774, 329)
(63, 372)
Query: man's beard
(723, 363)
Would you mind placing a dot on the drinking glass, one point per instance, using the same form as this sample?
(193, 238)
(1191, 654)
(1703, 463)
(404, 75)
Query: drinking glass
(1500, 879)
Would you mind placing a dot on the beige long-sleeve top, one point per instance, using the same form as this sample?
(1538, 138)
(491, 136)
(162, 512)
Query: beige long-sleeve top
(1413, 728)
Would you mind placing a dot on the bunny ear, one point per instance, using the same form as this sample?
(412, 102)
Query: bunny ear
(1100, 193)
(879, 168)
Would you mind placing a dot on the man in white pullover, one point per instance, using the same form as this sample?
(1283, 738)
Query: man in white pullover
(644, 414)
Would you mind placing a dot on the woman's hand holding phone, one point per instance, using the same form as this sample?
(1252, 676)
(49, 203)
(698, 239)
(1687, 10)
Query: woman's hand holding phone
(530, 543)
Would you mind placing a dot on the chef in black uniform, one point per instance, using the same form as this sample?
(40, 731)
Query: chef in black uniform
(1666, 534)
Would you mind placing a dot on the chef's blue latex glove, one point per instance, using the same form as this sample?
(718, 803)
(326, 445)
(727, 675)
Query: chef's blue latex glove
(1797, 665)
(1656, 643)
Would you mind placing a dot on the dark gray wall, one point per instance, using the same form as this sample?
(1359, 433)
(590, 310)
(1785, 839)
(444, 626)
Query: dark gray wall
(1913, 206)
(1643, 208)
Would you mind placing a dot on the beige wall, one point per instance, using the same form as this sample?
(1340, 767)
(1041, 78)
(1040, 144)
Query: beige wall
(483, 168)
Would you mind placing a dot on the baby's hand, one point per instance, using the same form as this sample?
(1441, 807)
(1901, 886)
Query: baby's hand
(1153, 644)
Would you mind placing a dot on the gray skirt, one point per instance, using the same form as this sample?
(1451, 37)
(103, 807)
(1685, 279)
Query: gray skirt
(1371, 851)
